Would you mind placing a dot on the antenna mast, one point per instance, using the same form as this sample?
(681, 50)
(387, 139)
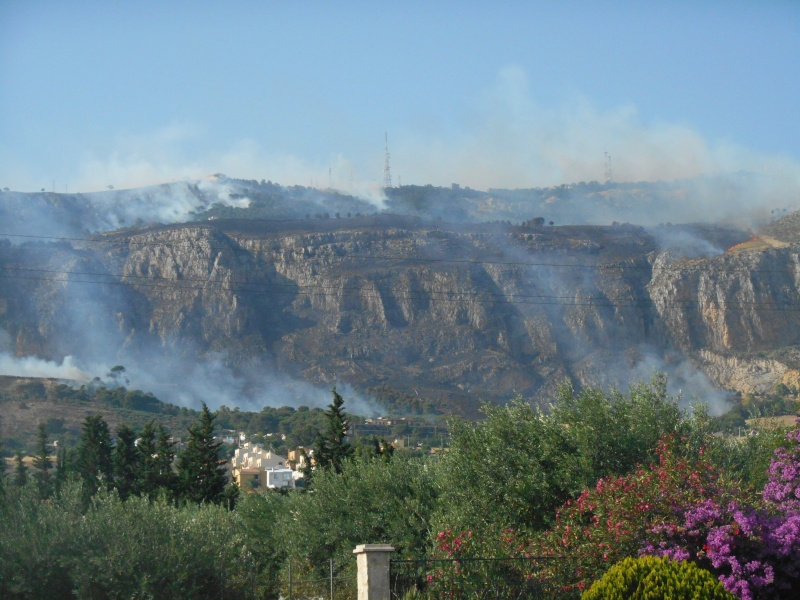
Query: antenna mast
(608, 175)
(387, 172)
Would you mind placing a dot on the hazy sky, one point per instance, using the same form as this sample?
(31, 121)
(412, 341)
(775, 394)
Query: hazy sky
(487, 94)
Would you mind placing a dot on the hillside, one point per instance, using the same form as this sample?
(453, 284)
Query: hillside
(431, 310)
(25, 402)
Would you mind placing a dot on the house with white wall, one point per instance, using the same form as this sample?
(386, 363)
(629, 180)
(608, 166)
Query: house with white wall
(253, 467)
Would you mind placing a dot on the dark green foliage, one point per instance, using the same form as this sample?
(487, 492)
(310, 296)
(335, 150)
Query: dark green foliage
(126, 462)
(510, 470)
(514, 468)
(231, 495)
(398, 402)
(651, 577)
(32, 390)
(168, 540)
(61, 470)
(201, 477)
(115, 397)
(42, 464)
(20, 470)
(55, 426)
(94, 462)
(745, 460)
(130, 399)
(147, 479)
(614, 432)
(300, 427)
(120, 550)
(166, 477)
(331, 448)
(370, 501)
(263, 517)
(154, 473)
(372, 447)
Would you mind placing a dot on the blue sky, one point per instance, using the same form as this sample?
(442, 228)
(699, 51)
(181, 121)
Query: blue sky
(487, 94)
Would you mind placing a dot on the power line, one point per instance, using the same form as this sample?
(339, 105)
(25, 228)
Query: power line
(514, 263)
(371, 292)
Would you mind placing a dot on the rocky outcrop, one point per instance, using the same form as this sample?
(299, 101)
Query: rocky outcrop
(748, 376)
(739, 302)
(471, 312)
(737, 315)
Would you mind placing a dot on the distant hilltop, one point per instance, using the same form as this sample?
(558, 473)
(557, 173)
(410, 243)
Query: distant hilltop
(743, 200)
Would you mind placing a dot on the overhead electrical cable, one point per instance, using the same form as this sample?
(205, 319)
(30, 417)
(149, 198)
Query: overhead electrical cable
(677, 265)
(371, 292)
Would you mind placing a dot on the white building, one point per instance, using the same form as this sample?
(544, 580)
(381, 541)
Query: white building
(252, 467)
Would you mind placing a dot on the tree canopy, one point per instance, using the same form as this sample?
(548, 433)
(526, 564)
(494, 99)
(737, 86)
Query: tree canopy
(331, 447)
(202, 478)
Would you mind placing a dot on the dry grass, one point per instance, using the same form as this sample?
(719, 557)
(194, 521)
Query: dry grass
(772, 422)
(26, 402)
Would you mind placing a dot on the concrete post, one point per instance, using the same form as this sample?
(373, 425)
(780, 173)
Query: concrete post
(373, 571)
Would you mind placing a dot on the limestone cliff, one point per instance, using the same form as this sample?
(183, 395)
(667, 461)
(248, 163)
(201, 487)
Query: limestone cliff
(452, 314)
(737, 315)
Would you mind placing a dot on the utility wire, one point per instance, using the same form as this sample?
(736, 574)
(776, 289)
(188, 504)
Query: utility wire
(356, 292)
(620, 266)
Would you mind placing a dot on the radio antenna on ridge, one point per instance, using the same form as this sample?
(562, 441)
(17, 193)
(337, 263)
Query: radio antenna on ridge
(608, 175)
(387, 172)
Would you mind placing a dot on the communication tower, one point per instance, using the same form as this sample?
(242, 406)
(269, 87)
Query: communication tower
(387, 172)
(608, 175)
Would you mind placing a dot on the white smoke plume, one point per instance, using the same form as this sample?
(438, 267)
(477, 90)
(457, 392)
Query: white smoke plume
(31, 366)
(210, 380)
(513, 142)
(160, 158)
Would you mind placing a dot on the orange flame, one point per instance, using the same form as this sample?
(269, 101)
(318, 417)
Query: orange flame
(753, 238)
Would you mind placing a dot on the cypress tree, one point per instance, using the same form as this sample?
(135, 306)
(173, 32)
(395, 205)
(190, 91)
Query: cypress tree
(61, 470)
(126, 462)
(147, 470)
(42, 464)
(20, 470)
(202, 478)
(331, 448)
(165, 476)
(94, 462)
(155, 456)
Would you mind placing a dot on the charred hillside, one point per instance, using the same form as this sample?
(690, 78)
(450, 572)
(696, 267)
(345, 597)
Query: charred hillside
(451, 314)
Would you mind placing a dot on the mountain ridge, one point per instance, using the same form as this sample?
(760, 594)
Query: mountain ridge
(452, 312)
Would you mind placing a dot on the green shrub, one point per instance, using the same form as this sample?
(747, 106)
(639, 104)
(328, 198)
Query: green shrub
(651, 577)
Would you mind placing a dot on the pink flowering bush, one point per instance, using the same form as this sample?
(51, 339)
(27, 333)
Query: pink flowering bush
(612, 521)
(755, 551)
(782, 491)
(677, 508)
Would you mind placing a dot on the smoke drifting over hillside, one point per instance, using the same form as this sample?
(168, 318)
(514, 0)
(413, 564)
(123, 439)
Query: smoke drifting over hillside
(511, 142)
(185, 381)
(32, 366)
(508, 141)
(514, 142)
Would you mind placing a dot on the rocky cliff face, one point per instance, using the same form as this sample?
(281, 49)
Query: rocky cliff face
(454, 315)
(737, 315)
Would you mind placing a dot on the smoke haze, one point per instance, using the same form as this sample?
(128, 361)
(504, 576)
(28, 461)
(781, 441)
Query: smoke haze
(508, 141)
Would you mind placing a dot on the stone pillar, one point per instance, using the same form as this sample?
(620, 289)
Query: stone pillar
(373, 571)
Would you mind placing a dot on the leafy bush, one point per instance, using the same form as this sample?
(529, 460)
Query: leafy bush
(517, 466)
(509, 470)
(370, 501)
(755, 550)
(650, 577)
(142, 549)
(613, 520)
